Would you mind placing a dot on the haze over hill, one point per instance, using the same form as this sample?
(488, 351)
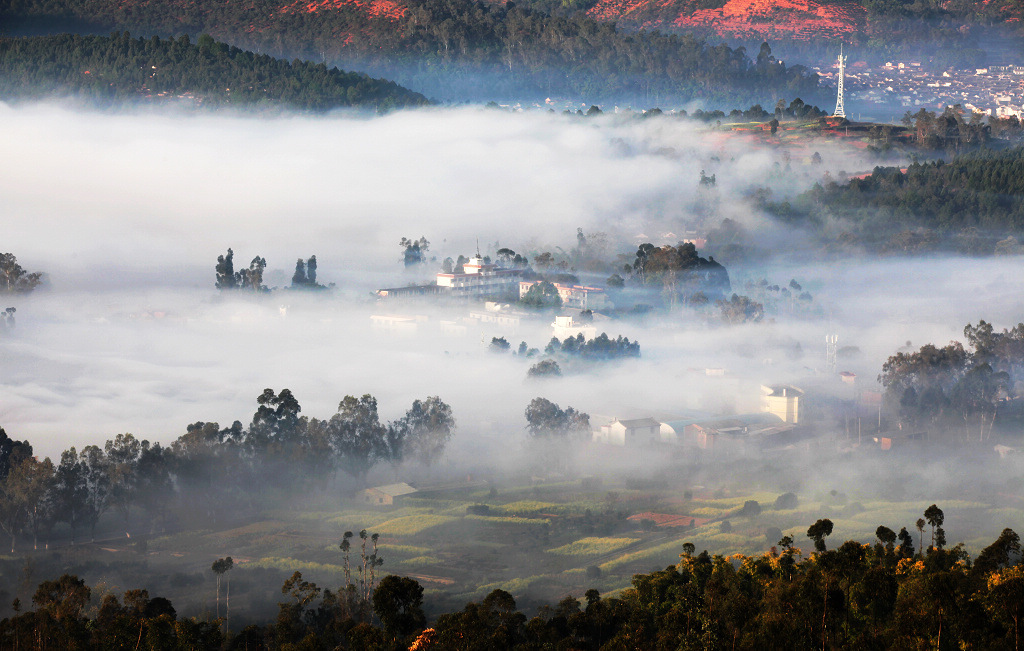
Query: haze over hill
(122, 71)
(456, 51)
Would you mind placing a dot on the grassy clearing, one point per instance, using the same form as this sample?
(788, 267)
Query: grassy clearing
(419, 561)
(401, 549)
(522, 507)
(509, 519)
(515, 587)
(293, 564)
(411, 525)
(670, 550)
(592, 546)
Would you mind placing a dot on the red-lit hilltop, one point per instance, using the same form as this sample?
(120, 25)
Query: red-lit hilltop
(740, 19)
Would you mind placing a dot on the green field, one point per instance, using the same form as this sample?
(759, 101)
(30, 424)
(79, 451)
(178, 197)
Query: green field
(539, 541)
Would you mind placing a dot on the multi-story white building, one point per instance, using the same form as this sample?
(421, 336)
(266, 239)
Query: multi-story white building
(479, 278)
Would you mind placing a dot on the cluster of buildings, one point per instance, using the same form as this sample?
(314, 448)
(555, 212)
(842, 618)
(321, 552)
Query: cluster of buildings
(997, 90)
(484, 280)
(775, 426)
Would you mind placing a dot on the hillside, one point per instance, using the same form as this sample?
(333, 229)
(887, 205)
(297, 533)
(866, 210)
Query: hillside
(449, 49)
(973, 204)
(799, 19)
(741, 19)
(956, 33)
(119, 69)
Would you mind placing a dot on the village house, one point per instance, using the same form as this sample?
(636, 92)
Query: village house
(385, 495)
(783, 401)
(567, 326)
(396, 324)
(734, 435)
(629, 433)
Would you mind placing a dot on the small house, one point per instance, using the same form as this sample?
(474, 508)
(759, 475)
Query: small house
(629, 433)
(783, 401)
(385, 495)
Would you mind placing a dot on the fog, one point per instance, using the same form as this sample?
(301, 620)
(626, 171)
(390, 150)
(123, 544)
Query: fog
(127, 214)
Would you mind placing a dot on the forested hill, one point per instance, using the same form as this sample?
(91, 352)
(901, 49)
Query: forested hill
(449, 49)
(977, 200)
(953, 33)
(117, 69)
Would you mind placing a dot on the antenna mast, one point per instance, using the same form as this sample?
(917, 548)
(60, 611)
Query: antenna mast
(831, 352)
(840, 111)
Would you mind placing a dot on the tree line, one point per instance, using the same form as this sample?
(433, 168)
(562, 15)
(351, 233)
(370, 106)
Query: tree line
(119, 69)
(956, 388)
(465, 49)
(881, 595)
(251, 278)
(209, 472)
(970, 203)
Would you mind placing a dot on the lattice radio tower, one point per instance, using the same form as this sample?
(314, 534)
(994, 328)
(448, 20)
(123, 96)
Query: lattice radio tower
(840, 111)
(831, 352)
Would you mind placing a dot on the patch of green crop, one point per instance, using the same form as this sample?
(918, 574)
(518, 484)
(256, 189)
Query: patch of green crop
(592, 546)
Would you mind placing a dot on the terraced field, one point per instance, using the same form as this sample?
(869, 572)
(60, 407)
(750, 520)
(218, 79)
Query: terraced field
(539, 541)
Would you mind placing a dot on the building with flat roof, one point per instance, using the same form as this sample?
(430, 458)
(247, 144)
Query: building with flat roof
(479, 279)
(783, 401)
(629, 433)
(385, 495)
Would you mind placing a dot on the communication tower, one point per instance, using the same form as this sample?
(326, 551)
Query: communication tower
(840, 111)
(831, 350)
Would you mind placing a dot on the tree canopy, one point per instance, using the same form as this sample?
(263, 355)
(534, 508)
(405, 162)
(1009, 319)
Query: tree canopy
(118, 69)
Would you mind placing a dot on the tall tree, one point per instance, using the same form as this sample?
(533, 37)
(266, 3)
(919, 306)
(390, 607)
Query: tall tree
(220, 567)
(357, 435)
(226, 271)
(398, 602)
(423, 432)
(14, 279)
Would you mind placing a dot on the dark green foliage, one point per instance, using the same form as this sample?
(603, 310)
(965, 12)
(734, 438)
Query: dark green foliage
(786, 501)
(11, 453)
(750, 509)
(542, 295)
(305, 274)
(981, 190)
(118, 69)
(465, 48)
(740, 309)
(601, 347)
(545, 368)
(679, 270)
(853, 597)
(818, 531)
(14, 279)
(398, 602)
(955, 386)
(545, 418)
(499, 345)
(422, 433)
(414, 251)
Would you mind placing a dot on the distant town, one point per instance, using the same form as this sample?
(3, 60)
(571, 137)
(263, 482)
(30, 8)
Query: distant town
(997, 90)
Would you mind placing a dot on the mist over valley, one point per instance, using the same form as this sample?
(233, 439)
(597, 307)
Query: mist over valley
(579, 369)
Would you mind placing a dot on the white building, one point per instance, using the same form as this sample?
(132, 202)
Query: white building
(397, 323)
(479, 278)
(783, 401)
(629, 433)
(567, 326)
